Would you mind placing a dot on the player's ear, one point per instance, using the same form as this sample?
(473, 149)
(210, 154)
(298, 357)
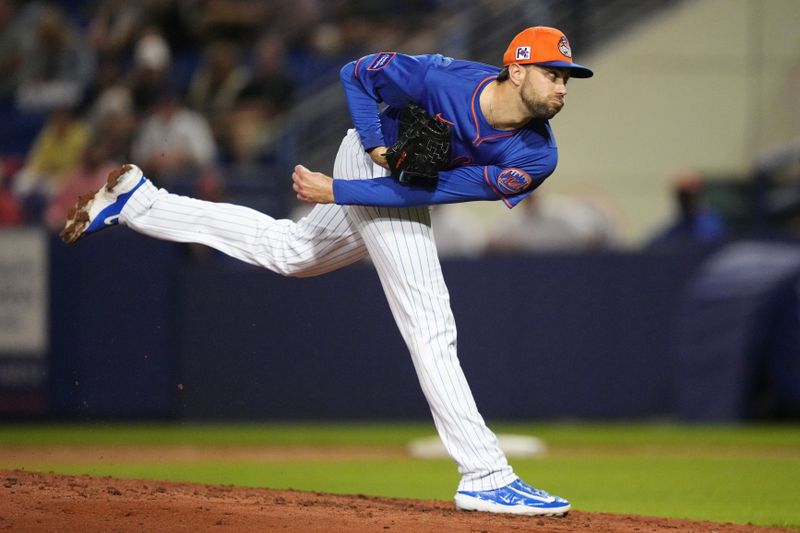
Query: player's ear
(516, 74)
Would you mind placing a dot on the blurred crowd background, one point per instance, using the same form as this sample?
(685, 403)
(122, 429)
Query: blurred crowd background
(218, 99)
(192, 91)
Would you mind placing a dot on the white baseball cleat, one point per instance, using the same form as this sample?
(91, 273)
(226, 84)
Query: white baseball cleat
(515, 498)
(100, 210)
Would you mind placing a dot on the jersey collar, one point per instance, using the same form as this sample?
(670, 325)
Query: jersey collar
(483, 130)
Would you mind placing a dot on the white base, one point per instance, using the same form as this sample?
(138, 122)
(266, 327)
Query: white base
(512, 446)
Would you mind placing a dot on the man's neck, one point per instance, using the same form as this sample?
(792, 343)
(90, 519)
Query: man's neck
(502, 107)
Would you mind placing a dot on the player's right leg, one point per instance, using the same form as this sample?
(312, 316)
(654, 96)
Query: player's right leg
(320, 242)
(100, 210)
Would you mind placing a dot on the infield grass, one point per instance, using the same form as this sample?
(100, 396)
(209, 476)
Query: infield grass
(747, 474)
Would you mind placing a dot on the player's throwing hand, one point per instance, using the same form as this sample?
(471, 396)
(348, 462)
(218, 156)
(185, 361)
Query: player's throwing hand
(312, 187)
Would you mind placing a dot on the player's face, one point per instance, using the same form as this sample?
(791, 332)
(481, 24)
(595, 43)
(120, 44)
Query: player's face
(544, 90)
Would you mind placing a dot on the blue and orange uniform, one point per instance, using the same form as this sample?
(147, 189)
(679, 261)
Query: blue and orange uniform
(486, 163)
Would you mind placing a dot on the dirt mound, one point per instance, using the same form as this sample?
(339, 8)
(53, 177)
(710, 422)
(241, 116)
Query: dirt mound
(32, 501)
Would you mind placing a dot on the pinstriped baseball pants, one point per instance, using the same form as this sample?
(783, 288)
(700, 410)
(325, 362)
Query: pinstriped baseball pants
(401, 245)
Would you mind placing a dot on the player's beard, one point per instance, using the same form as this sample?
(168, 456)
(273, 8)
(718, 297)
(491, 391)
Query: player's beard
(540, 108)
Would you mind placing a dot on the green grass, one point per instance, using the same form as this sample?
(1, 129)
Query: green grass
(277, 434)
(721, 473)
(383, 434)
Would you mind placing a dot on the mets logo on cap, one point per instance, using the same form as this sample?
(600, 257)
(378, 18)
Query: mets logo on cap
(563, 47)
(513, 180)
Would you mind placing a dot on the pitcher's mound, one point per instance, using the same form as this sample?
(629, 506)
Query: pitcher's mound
(38, 502)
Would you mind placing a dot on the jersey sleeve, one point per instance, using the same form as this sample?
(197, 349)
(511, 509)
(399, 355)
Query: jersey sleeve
(512, 184)
(462, 184)
(387, 77)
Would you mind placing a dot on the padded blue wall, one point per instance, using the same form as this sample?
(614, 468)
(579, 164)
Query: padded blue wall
(140, 329)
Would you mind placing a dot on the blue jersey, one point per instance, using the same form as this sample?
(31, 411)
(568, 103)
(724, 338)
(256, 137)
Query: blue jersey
(486, 163)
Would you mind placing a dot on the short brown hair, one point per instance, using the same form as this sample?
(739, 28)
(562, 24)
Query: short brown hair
(502, 75)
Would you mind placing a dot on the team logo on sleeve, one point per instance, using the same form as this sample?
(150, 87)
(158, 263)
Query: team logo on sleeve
(563, 47)
(381, 60)
(513, 181)
(523, 52)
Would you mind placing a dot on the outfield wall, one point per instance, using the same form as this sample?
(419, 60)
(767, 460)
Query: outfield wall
(141, 329)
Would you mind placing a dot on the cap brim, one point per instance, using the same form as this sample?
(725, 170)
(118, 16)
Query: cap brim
(576, 71)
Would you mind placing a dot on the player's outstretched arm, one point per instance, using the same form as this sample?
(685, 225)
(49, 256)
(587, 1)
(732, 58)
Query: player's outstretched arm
(462, 184)
(312, 187)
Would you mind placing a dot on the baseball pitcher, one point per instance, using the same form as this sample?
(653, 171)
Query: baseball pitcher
(450, 131)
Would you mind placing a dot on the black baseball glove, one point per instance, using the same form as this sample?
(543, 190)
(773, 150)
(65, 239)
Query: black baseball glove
(422, 147)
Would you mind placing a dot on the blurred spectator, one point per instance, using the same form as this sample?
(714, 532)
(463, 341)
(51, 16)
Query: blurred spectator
(56, 149)
(178, 21)
(233, 20)
(250, 127)
(114, 27)
(319, 54)
(458, 232)
(296, 17)
(553, 223)
(217, 83)
(270, 81)
(57, 66)
(90, 173)
(151, 69)
(694, 222)
(117, 129)
(173, 142)
(11, 44)
(108, 95)
(110, 111)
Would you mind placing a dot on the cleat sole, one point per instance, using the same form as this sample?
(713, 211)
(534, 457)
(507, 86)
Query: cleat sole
(78, 217)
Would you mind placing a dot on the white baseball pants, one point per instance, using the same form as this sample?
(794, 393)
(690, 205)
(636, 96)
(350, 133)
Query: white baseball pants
(401, 245)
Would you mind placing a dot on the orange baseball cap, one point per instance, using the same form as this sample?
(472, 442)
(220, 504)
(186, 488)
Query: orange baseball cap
(547, 47)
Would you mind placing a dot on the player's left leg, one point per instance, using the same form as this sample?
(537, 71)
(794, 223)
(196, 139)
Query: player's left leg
(401, 245)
